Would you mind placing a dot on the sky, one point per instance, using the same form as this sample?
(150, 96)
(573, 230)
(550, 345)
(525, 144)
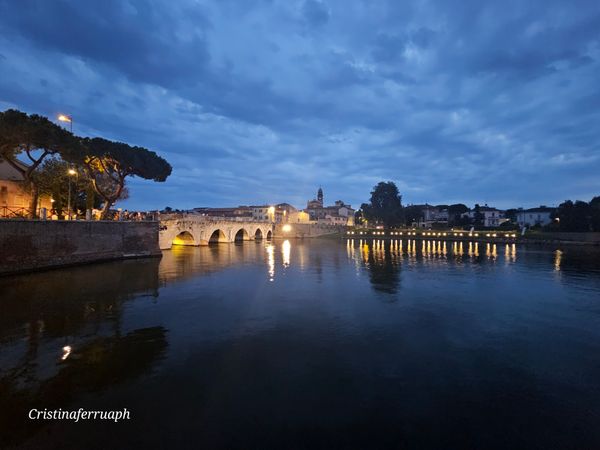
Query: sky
(263, 101)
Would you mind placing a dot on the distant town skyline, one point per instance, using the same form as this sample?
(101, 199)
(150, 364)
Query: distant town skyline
(263, 102)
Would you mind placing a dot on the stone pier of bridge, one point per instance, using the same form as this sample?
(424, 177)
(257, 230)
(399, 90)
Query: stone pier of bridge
(195, 230)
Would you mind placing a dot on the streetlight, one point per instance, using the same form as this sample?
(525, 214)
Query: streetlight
(70, 172)
(68, 119)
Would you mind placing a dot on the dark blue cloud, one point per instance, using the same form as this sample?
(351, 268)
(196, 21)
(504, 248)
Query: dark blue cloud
(315, 12)
(263, 100)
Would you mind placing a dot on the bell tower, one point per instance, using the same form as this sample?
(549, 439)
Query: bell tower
(320, 195)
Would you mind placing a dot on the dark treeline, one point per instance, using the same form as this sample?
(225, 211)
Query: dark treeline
(49, 157)
(385, 208)
(577, 216)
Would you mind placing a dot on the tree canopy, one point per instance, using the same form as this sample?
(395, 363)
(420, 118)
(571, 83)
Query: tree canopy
(574, 216)
(385, 205)
(107, 163)
(37, 138)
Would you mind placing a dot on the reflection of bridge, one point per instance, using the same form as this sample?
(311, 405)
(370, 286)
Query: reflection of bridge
(191, 229)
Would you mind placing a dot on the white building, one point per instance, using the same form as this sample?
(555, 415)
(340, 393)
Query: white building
(263, 213)
(492, 217)
(534, 216)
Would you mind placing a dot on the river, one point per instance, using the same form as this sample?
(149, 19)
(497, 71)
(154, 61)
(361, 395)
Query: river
(309, 344)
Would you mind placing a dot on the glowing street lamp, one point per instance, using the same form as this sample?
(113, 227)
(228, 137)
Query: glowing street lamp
(67, 119)
(67, 349)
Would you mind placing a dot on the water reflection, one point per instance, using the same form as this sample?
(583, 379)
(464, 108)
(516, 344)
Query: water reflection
(97, 364)
(238, 326)
(61, 334)
(286, 249)
(383, 267)
(271, 255)
(557, 260)
(383, 259)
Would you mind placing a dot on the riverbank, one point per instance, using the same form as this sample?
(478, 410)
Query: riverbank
(531, 237)
(31, 245)
(560, 238)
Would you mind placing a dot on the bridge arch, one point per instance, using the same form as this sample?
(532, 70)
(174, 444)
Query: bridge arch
(217, 236)
(184, 238)
(241, 235)
(269, 235)
(258, 234)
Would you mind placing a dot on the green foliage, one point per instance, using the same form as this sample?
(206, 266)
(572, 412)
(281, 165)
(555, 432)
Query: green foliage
(455, 213)
(385, 206)
(575, 216)
(595, 213)
(358, 217)
(108, 164)
(412, 213)
(53, 179)
(35, 137)
(511, 214)
(126, 160)
(22, 133)
(478, 217)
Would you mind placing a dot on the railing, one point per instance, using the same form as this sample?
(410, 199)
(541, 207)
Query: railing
(14, 212)
(202, 218)
(19, 212)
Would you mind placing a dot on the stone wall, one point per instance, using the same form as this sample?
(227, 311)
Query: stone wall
(27, 245)
(590, 238)
(307, 230)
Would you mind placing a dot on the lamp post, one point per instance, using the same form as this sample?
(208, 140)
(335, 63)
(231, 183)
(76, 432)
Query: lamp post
(71, 172)
(68, 119)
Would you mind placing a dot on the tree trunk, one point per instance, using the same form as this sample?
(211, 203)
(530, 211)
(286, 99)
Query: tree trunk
(106, 209)
(90, 199)
(109, 199)
(33, 201)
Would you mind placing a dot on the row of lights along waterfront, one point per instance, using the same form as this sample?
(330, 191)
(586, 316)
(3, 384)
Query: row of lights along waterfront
(432, 234)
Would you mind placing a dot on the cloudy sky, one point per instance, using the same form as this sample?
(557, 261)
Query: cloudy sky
(258, 101)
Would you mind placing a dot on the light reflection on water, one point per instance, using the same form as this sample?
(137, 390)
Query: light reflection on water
(363, 342)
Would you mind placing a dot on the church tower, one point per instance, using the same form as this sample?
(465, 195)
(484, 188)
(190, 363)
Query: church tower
(320, 195)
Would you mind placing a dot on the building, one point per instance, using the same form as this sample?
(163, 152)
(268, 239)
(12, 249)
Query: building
(14, 199)
(433, 216)
(535, 216)
(242, 212)
(338, 214)
(278, 213)
(492, 217)
(263, 213)
(298, 217)
(314, 206)
(283, 212)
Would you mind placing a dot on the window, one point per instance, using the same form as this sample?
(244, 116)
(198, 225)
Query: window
(4, 195)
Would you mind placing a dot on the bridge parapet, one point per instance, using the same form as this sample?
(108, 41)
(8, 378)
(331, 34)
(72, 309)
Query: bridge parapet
(201, 218)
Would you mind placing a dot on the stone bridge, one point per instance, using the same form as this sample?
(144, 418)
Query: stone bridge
(191, 229)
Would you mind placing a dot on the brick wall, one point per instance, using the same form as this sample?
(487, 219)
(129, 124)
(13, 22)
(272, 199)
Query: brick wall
(33, 244)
